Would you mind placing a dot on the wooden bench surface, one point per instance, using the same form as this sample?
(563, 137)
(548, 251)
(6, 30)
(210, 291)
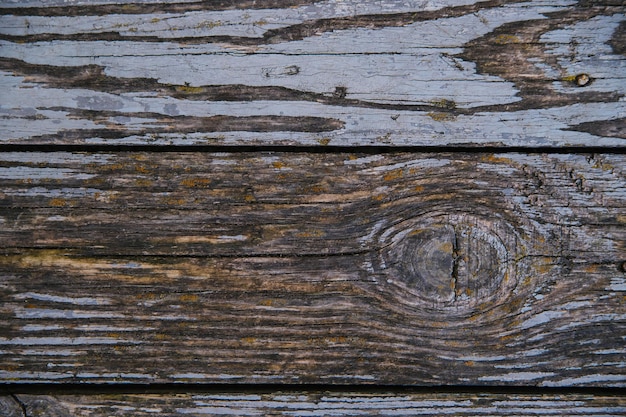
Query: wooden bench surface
(298, 207)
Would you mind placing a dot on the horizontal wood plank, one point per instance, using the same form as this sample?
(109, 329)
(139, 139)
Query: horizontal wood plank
(328, 267)
(400, 268)
(349, 73)
(307, 403)
(271, 203)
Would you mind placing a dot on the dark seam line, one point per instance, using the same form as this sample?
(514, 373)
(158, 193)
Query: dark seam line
(178, 388)
(78, 252)
(329, 149)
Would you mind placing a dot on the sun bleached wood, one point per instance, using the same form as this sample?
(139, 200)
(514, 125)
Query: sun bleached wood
(311, 403)
(499, 73)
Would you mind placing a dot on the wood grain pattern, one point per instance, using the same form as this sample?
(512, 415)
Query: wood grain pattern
(401, 268)
(257, 271)
(497, 72)
(94, 202)
(303, 403)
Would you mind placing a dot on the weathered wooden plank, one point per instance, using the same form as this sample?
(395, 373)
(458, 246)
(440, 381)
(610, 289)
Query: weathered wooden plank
(267, 320)
(308, 403)
(272, 203)
(397, 268)
(315, 73)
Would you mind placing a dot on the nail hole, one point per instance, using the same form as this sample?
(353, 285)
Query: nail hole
(622, 266)
(582, 80)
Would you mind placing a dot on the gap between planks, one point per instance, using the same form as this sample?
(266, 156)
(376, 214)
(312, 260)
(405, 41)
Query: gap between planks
(199, 388)
(321, 149)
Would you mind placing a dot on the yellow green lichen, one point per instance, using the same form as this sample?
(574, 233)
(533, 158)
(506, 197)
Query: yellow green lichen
(444, 103)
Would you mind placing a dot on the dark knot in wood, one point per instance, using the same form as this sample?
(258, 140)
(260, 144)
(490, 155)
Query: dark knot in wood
(454, 262)
(451, 263)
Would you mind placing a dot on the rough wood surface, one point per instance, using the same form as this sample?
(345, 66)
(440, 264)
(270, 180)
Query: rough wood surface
(249, 269)
(396, 72)
(314, 404)
(397, 268)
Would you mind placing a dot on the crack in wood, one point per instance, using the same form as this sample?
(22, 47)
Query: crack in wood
(20, 404)
(456, 257)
